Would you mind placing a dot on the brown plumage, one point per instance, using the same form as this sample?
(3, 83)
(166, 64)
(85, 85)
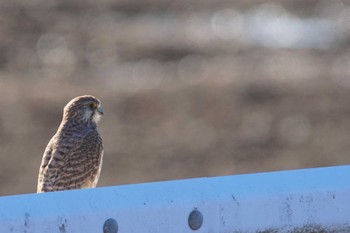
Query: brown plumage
(73, 157)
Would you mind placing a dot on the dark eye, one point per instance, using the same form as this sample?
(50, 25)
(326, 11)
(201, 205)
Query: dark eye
(93, 106)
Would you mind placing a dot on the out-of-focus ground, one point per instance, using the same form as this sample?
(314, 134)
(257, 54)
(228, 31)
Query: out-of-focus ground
(190, 88)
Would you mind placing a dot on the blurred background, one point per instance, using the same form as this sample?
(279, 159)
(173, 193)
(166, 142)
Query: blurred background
(190, 88)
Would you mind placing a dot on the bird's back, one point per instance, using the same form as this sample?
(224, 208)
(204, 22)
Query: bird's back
(71, 159)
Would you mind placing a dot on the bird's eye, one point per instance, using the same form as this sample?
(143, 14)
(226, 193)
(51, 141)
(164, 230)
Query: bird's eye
(93, 105)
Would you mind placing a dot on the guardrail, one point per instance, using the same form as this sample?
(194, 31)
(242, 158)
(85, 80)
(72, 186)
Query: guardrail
(308, 200)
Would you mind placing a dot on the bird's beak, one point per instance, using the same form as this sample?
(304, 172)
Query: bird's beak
(100, 110)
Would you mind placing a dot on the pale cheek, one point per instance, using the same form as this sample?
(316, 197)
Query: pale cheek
(96, 117)
(87, 115)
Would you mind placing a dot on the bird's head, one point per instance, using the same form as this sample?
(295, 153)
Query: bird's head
(86, 108)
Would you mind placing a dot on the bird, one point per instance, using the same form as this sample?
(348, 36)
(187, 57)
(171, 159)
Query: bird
(73, 157)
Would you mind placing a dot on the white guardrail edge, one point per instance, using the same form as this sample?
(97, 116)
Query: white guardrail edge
(307, 200)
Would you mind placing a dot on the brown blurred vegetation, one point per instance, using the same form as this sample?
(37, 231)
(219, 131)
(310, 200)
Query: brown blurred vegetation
(184, 96)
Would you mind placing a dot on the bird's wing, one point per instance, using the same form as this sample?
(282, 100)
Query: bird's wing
(50, 151)
(69, 165)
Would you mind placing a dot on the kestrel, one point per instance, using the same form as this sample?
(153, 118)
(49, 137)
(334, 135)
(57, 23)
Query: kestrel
(73, 157)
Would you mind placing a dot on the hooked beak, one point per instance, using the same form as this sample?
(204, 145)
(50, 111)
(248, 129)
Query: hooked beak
(100, 110)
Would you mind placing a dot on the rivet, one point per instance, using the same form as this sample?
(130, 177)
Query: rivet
(110, 226)
(195, 219)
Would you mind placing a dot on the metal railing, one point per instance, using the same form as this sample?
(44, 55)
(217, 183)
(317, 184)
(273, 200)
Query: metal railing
(308, 200)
